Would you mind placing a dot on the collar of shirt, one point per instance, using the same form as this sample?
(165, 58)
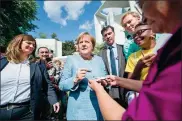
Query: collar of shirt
(23, 62)
(113, 45)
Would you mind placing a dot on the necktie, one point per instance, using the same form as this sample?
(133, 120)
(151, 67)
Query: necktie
(112, 61)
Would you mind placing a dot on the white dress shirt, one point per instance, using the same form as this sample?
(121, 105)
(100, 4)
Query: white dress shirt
(15, 83)
(115, 56)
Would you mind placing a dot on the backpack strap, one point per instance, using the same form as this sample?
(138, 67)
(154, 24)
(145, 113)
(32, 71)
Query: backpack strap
(3, 63)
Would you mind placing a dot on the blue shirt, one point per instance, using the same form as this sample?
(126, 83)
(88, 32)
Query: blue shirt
(115, 56)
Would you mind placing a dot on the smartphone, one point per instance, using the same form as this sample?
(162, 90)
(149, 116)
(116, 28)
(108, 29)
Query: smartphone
(48, 59)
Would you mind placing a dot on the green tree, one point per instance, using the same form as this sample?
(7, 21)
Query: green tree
(16, 17)
(54, 35)
(68, 48)
(42, 35)
(98, 48)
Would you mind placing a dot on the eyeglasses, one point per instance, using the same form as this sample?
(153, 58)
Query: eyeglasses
(138, 33)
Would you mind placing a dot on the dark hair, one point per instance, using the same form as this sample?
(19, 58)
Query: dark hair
(42, 47)
(48, 59)
(140, 24)
(2, 49)
(106, 28)
(52, 51)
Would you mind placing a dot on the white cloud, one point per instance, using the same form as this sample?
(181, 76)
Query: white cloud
(114, 10)
(74, 9)
(86, 26)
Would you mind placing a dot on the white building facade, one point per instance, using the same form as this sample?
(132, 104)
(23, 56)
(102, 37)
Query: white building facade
(51, 44)
(110, 13)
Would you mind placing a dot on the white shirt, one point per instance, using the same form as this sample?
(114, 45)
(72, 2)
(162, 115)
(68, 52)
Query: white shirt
(15, 83)
(115, 56)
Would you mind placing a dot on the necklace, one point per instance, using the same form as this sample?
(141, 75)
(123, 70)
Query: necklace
(142, 53)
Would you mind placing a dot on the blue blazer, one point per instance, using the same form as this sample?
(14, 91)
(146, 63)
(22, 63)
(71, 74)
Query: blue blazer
(40, 84)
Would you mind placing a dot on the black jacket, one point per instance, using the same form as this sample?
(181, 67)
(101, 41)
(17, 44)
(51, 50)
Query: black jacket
(40, 84)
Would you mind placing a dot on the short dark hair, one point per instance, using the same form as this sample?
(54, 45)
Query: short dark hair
(140, 24)
(52, 51)
(42, 47)
(106, 28)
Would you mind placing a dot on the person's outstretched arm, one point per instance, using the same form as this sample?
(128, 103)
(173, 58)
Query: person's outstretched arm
(110, 109)
(130, 84)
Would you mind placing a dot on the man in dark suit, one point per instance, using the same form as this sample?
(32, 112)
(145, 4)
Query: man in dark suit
(113, 57)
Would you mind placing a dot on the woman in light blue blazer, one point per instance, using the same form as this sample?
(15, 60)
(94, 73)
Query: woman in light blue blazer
(82, 101)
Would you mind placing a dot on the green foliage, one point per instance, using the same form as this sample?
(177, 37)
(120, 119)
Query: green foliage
(98, 48)
(54, 35)
(16, 18)
(68, 48)
(42, 35)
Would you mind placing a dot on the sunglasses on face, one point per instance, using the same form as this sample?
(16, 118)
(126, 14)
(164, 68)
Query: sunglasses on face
(139, 32)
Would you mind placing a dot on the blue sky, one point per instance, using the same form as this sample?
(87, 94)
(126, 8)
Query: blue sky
(65, 18)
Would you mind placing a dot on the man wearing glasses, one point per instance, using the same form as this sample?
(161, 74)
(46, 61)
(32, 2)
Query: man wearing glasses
(128, 21)
(139, 62)
(137, 65)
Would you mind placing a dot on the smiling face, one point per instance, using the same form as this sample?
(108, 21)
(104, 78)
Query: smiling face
(109, 36)
(43, 53)
(27, 47)
(129, 22)
(85, 46)
(21, 47)
(142, 35)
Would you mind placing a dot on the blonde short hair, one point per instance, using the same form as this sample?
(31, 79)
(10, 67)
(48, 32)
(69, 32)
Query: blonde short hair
(13, 51)
(134, 14)
(58, 61)
(83, 34)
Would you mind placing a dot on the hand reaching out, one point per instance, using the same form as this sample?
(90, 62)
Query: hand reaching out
(95, 85)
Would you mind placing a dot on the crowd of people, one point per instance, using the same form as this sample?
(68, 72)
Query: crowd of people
(140, 80)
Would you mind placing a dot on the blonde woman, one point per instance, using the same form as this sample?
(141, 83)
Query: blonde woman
(78, 70)
(23, 83)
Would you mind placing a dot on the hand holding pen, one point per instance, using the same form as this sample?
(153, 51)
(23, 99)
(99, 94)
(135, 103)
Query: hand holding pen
(81, 74)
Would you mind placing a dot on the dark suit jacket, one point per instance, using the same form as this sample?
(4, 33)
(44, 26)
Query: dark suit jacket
(41, 87)
(121, 69)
